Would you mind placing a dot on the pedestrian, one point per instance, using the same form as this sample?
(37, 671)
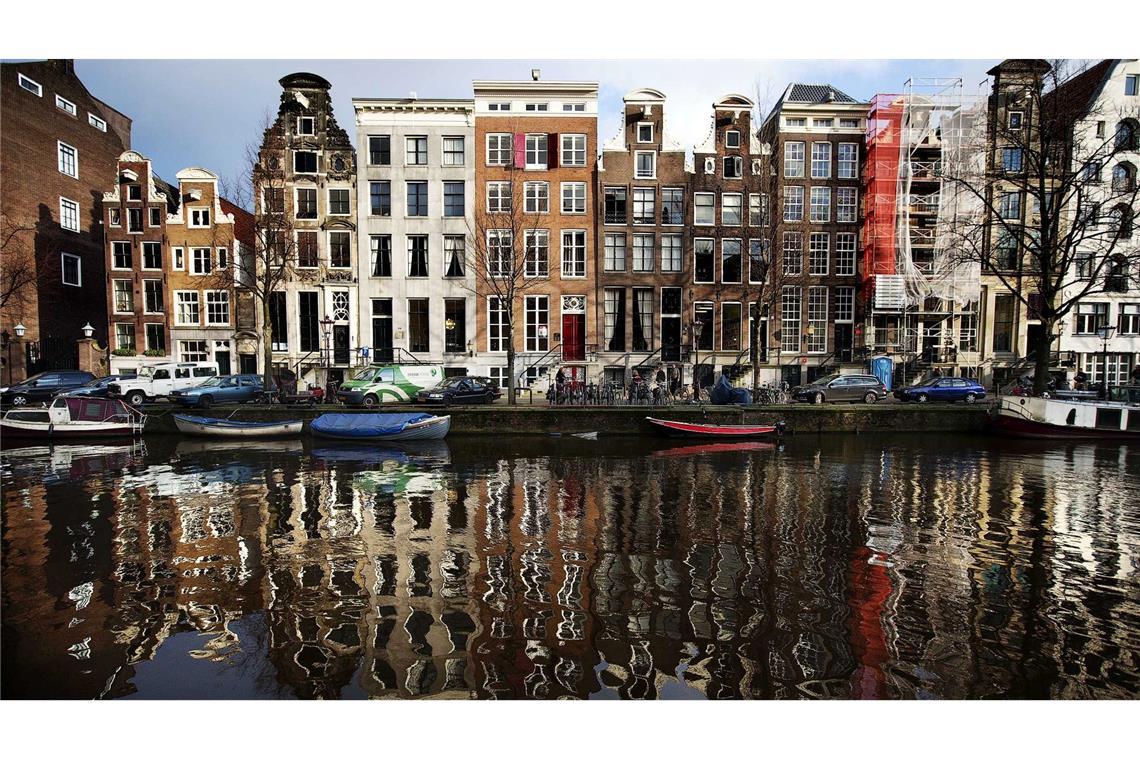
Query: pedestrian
(1134, 378)
(1081, 381)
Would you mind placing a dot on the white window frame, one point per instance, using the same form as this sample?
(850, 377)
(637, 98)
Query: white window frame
(711, 208)
(648, 254)
(36, 88)
(814, 270)
(573, 197)
(498, 186)
(740, 254)
(541, 201)
(796, 239)
(427, 150)
(637, 154)
(712, 250)
(181, 298)
(66, 105)
(853, 162)
(789, 192)
(638, 197)
(822, 218)
(130, 253)
(739, 197)
(162, 306)
(194, 261)
(824, 162)
(445, 153)
(563, 260)
(142, 256)
(301, 121)
(63, 257)
(225, 300)
(531, 237)
(569, 158)
(60, 145)
(497, 345)
(789, 147)
(637, 132)
(537, 151)
(114, 217)
(499, 138)
(817, 339)
(844, 307)
(178, 259)
(63, 216)
(676, 257)
(130, 289)
(614, 252)
(194, 217)
(328, 200)
(727, 142)
(95, 121)
(852, 208)
(495, 241)
(846, 253)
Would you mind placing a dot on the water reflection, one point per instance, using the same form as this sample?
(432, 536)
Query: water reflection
(833, 567)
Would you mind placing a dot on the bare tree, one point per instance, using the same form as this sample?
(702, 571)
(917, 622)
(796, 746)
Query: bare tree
(1046, 223)
(19, 274)
(509, 253)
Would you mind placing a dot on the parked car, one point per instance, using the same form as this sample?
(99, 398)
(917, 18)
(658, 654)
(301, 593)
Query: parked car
(98, 387)
(385, 383)
(943, 389)
(40, 388)
(854, 388)
(223, 389)
(161, 380)
(459, 390)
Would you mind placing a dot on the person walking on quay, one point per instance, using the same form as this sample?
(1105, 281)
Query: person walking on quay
(1134, 376)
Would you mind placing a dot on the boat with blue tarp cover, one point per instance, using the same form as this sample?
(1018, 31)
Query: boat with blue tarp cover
(219, 428)
(381, 427)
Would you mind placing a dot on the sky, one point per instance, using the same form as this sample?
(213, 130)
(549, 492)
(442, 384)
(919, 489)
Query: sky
(204, 112)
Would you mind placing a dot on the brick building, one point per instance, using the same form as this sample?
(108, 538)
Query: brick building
(535, 149)
(642, 204)
(58, 148)
(816, 135)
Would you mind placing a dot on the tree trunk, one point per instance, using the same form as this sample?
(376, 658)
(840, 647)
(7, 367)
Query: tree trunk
(754, 353)
(511, 371)
(1041, 376)
(266, 346)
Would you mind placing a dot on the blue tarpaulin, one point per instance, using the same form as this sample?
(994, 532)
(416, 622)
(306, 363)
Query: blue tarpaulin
(364, 425)
(722, 392)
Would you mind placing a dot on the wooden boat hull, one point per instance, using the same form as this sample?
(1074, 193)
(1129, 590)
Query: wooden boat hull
(432, 429)
(213, 428)
(703, 430)
(73, 430)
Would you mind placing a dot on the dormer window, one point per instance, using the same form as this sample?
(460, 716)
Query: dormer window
(306, 125)
(96, 122)
(65, 105)
(645, 132)
(199, 217)
(732, 139)
(134, 192)
(31, 86)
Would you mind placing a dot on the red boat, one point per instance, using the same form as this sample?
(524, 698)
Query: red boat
(701, 430)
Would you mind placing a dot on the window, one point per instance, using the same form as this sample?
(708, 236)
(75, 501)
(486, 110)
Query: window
(672, 206)
(340, 250)
(415, 151)
(124, 296)
(573, 106)
(379, 150)
(500, 256)
(793, 203)
(573, 197)
(454, 151)
(1091, 172)
(820, 204)
(155, 337)
(733, 167)
(732, 139)
(730, 314)
(614, 324)
(671, 253)
(498, 197)
(381, 250)
(848, 123)
(124, 336)
(817, 320)
(134, 220)
(1090, 316)
(308, 322)
(193, 351)
(30, 85)
(201, 261)
(536, 151)
(822, 122)
(380, 194)
(68, 160)
(498, 329)
(499, 150)
(454, 325)
(307, 249)
(453, 200)
(217, 307)
(418, 325)
(1005, 252)
(273, 200)
(846, 204)
(643, 253)
(1131, 84)
(417, 256)
(644, 202)
(614, 260)
(1009, 206)
(417, 198)
(793, 254)
(454, 255)
(573, 253)
(1011, 159)
(731, 261)
(645, 132)
(704, 258)
(790, 315)
(114, 217)
(121, 255)
(1014, 119)
(790, 121)
(304, 162)
(1123, 178)
(755, 210)
(69, 214)
(848, 161)
(151, 255)
(645, 164)
(758, 254)
(642, 319)
(155, 216)
(819, 244)
(179, 259)
(71, 269)
(704, 325)
(498, 106)
(537, 106)
(537, 250)
(820, 160)
(1129, 319)
(152, 296)
(573, 150)
(793, 159)
(845, 254)
(277, 321)
(615, 199)
(536, 197)
(186, 307)
(338, 202)
(730, 208)
(1003, 322)
(65, 105)
(704, 208)
(537, 309)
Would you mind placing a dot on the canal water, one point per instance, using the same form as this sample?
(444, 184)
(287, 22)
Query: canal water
(840, 566)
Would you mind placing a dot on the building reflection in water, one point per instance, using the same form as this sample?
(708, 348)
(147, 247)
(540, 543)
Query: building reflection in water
(835, 567)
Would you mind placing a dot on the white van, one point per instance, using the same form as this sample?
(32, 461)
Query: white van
(157, 381)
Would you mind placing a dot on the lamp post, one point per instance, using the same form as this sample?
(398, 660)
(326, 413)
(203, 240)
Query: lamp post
(326, 328)
(1105, 333)
(88, 330)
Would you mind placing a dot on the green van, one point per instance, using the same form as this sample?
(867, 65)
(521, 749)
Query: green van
(388, 383)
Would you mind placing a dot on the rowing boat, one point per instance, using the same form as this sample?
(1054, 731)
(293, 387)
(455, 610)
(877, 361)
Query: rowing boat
(381, 427)
(218, 428)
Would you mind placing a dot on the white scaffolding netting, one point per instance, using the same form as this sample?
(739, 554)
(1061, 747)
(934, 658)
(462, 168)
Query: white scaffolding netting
(943, 135)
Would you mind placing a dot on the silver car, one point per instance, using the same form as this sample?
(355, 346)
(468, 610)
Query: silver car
(867, 389)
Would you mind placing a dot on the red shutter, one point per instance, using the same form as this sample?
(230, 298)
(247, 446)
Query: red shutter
(552, 148)
(520, 151)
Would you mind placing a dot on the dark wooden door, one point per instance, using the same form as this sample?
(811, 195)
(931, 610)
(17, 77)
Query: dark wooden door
(340, 344)
(573, 337)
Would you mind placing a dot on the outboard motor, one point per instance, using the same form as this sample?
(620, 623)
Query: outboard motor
(781, 426)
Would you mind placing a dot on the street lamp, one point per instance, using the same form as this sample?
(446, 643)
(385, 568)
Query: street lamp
(326, 326)
(1105, 333)
(19, 329)
(88, 330)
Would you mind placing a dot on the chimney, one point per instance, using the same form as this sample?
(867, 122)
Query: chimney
(535, 74)
(412, 94)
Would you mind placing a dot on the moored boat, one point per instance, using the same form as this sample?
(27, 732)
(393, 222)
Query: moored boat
(218, 428)
(381, 427)
(1054, 418)
(74, 417)
(706, 430)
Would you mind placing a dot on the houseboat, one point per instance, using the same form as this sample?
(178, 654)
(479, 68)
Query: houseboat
(1068, 418)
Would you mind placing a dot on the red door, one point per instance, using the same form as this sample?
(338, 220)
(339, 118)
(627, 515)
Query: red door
(573, 337)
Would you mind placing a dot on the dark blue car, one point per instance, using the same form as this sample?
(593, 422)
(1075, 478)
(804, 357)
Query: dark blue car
(98, 386)
(223, 389)
(943, 389)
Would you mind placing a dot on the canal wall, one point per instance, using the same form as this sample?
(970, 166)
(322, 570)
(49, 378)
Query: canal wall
(542, 420)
